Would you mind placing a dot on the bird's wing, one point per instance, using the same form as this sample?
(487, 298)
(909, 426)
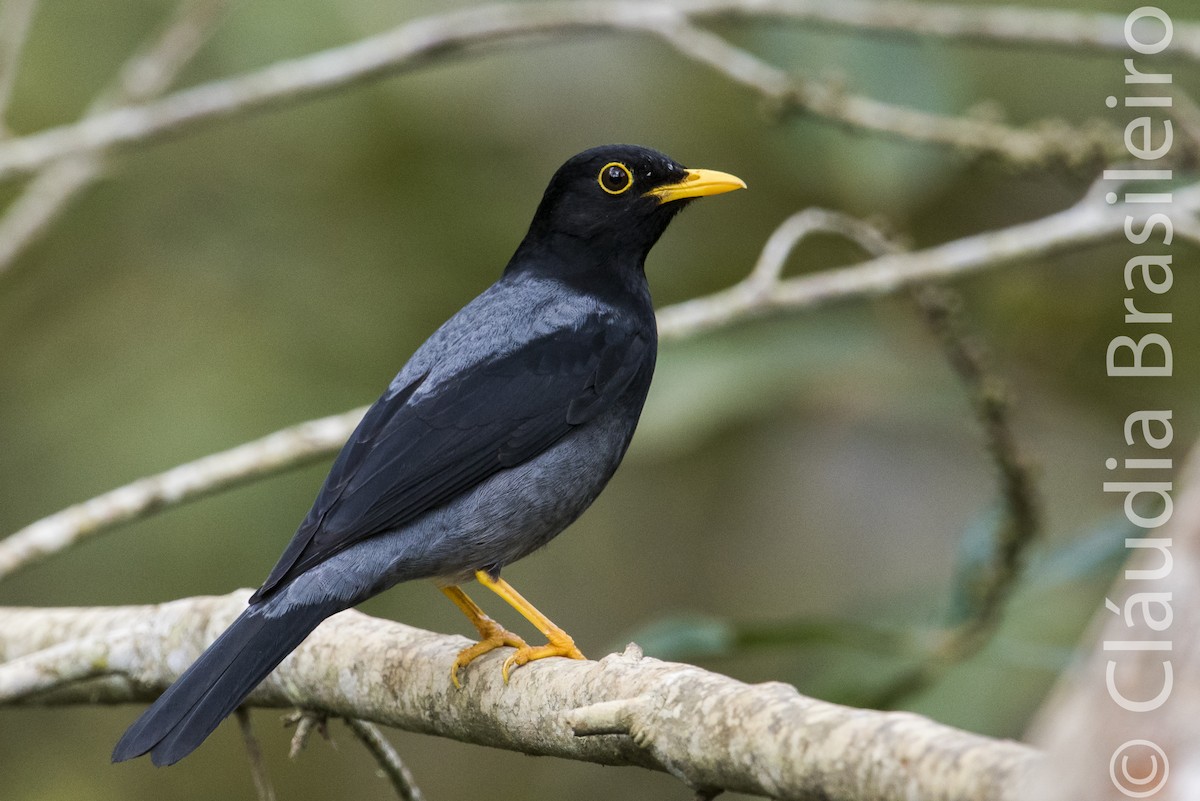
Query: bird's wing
(414, 451)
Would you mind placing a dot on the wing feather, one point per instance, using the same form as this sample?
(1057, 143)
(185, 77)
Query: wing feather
(414, 451)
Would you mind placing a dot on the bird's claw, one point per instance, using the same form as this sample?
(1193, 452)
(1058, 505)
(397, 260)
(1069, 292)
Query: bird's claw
(495, 636)
(558, 646)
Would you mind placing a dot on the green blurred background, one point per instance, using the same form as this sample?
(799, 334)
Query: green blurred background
(820, 466)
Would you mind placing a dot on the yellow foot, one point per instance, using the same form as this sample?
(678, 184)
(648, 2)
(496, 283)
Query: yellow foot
(560, 644)
(493, 636)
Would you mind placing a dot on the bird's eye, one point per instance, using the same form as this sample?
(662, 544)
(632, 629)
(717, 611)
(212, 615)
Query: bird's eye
(615, 178)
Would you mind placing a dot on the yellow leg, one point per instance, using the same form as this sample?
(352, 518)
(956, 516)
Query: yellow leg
(560, 643)
(491, 634)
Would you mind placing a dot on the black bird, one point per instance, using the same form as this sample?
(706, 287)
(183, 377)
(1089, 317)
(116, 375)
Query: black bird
(501, 429)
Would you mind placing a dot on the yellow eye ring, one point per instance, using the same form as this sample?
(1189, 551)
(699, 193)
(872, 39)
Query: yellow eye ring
(615, 178)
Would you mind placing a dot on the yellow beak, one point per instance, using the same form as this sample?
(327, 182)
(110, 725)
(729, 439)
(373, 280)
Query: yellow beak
(697, 183)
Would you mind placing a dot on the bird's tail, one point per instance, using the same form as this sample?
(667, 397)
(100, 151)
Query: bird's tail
(218, 682)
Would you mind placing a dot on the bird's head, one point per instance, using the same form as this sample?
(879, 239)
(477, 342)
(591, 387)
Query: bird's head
(616, 201)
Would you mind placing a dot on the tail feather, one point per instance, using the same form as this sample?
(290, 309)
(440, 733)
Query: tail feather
(217, 683)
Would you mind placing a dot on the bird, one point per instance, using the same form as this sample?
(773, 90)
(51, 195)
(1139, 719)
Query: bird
(501, 429)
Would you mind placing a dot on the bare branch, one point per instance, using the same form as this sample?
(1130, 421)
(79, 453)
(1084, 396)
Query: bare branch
(408, 46)
(1008, 25)
(763, 292)
(146, 75)
(424, 41)
(1046, 143)
(46, 196)
(1088, 222)
(708, 730)
(58, 665)
(983, 586)
(389, 760)
(284, 449)
(768, 270)
(15, 19)
(940, 307)
(306, 722)
(942, 311)
(263, 788)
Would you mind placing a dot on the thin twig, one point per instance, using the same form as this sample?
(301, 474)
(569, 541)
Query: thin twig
(258, 769)
(146, 75)
(942, 310)
(281, 450)
(434, 38)
(306, 722)
(1088, 222)
(1049, 142)
(15, 19)
(389, 760)
(992, 583)
(1005, 25)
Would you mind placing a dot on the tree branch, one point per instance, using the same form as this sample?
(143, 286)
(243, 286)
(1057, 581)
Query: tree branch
(1020, 518)
(290, 447)
(1086, 223)
(15, 19)
(146, 75)
(708, 730)
(1043, 144)
(1083, 726)
(983, 581)
(263, 789)
(57, 665)
(389, 760)
(430, 39)
(1007, 25)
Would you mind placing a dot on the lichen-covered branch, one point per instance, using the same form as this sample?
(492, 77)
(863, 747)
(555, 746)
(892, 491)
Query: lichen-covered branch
(48, 668)
(710, 731)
